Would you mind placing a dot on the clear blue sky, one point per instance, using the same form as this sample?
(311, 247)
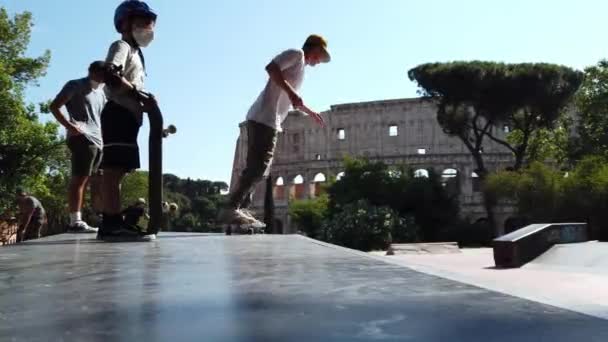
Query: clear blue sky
(206, 65)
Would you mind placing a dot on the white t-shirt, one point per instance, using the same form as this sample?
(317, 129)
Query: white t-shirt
(123, 54)
(273, 104)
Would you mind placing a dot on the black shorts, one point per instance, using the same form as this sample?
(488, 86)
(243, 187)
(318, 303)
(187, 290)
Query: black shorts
(120, 128)
(86, 156)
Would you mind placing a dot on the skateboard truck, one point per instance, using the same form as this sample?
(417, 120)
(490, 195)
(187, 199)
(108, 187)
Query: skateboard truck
(169, 130)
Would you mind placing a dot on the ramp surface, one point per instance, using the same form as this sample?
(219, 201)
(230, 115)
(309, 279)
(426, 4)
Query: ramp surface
(586, 257)
(187, 287)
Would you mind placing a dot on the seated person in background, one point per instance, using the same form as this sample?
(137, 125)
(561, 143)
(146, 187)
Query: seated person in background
(169, 212)
(32, 217)
(133, 214)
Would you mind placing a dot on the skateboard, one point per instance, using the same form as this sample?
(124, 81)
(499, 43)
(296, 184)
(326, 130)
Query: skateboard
(235, 229)
(155, 165)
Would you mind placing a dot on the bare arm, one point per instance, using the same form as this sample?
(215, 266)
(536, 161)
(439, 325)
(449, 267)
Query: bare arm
(26, 218)
(55, 107)
(121, 85)
(276, 75)
(316, 116)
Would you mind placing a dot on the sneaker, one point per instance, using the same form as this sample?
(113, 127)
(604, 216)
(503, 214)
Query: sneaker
(81, 227)
(148, 237)
(230, 216)
(255, 223)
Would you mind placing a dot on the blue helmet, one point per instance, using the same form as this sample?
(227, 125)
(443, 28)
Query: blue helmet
(130, 8)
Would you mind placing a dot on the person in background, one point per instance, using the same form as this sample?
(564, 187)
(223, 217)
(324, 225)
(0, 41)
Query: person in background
(84, 99)
(134, 213)
(32, 217)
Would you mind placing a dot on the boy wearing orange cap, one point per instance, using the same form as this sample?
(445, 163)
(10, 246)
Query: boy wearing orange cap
(286, 73)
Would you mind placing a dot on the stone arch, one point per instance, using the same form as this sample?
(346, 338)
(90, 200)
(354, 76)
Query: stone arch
(449, 173)
(450, 179)
(317, 185)
(279, 189)
(319, 178)
(421, 173)
(476, 182)
(339, 175)
(297, 190)
(394, 173)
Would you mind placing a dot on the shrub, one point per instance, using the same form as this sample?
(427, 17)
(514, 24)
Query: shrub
(366, 227)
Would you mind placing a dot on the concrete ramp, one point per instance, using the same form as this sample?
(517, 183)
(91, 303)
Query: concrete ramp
(579, 257)
(195, 287)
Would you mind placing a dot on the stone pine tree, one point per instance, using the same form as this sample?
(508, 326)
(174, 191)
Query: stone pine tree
(592, 105)
(540, 94)
(475, 99)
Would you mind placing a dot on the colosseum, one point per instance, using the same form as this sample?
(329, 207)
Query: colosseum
(396, 132)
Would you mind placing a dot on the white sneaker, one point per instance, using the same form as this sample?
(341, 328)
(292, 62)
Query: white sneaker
(234, 217)
(255, 223)
(81, 227)
(148, 237)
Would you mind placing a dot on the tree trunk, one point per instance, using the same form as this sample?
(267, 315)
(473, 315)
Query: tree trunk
(489, 203)
(269, 206)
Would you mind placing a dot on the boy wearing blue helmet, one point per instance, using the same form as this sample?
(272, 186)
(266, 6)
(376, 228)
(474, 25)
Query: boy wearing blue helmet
(122, 116)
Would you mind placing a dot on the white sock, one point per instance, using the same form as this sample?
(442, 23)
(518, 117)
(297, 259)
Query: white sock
(75, 217)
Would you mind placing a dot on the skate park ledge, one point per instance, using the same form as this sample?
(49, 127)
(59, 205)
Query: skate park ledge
(524, 245)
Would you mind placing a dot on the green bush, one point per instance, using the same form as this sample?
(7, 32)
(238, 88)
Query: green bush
(366, 227)
(543, 194)
(424, 199)
(405, 230)
(308, 215)
(537, 190)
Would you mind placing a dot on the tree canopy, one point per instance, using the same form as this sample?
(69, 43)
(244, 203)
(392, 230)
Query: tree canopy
(475, 98)
(592, 107)
(29, 149)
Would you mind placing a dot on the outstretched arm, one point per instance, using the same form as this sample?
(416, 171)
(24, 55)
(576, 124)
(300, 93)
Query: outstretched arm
(26, 218)
(314, 115)
(275, 71)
